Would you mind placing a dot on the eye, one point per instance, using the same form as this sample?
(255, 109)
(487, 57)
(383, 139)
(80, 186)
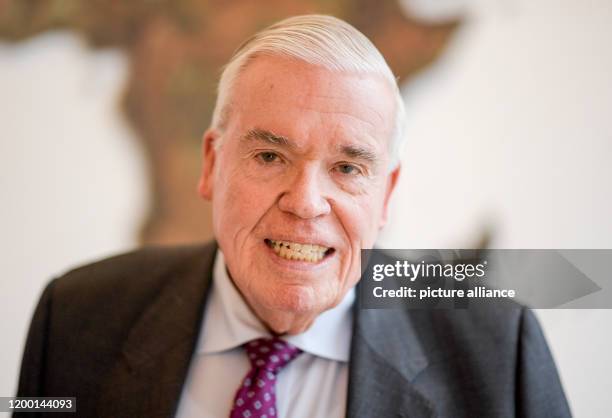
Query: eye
(267, 157)
(348, 169)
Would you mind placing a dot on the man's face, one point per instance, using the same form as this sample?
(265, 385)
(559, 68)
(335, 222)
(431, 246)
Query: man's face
(300, 182)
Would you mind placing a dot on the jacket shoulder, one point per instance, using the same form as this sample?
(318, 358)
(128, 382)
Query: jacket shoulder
(84, 317)
(139, 271)
(105, 297)
(496, 325)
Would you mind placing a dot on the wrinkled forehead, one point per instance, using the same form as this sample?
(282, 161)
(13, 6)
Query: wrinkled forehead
(286, 94)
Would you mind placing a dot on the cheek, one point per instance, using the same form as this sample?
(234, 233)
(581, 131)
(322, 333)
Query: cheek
(360, 217)
(229, 209)
(239, 205)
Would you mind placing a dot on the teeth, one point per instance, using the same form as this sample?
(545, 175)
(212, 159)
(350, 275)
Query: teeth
(302, 252)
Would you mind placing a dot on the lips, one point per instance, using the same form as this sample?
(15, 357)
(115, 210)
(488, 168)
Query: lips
(289, 250)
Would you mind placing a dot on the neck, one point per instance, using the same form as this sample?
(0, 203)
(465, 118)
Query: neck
(284, 323)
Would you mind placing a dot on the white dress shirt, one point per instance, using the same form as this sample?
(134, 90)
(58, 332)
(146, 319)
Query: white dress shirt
(313, 385)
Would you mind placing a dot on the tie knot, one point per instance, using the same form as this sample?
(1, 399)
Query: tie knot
(271, 353)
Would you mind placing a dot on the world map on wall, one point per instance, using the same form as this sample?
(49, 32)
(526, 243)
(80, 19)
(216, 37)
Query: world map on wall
(176, 49)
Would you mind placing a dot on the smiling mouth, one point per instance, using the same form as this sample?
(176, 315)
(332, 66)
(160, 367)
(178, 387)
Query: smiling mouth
(289, 250)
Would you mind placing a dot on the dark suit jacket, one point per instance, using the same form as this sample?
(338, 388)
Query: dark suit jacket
(119, 335)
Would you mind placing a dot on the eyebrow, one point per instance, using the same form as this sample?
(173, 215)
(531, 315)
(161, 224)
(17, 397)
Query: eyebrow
(257, 134)
(360, 153)
(351, 151)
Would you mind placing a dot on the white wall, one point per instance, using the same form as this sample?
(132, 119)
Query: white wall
(72, 177)
(511, 130)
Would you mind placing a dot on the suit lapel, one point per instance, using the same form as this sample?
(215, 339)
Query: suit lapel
(148, 377)
(385, 359)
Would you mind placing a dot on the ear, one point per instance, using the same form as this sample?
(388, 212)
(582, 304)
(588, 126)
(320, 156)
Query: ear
(391, 183)
(205, 185)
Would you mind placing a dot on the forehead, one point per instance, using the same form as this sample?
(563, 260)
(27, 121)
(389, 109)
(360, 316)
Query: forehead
(302, 101)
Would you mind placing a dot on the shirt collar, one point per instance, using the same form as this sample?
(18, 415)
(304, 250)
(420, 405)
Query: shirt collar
(229, 322)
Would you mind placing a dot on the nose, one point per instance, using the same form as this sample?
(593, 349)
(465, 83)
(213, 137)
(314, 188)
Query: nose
(303, 195)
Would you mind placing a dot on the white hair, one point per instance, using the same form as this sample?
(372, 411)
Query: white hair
(319, 40)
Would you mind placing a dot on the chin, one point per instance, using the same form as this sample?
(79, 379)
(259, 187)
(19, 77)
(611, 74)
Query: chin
(298, 300)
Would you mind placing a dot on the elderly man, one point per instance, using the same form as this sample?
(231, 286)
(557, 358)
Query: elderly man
(300, 162)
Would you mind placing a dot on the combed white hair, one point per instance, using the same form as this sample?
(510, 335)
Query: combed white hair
(319, 40)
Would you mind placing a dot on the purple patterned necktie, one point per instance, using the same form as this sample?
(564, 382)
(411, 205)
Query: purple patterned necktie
(256, 397)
